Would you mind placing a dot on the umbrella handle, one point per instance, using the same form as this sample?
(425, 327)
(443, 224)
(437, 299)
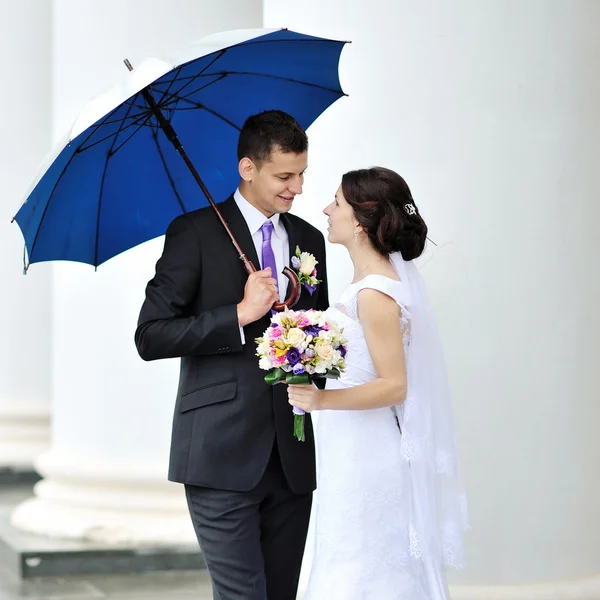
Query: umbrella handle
(294, 291)
(294, 285)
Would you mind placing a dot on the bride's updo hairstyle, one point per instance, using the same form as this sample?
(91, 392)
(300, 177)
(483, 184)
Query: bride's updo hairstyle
(385, 209)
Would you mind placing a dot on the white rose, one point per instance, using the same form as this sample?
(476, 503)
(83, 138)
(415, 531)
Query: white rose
(307, 263)
(324, 350)
(294, 337)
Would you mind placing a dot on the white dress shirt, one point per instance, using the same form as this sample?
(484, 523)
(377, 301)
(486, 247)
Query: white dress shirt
(279, 239)
(279, 242)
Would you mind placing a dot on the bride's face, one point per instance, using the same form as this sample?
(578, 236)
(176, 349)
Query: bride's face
(342, 222)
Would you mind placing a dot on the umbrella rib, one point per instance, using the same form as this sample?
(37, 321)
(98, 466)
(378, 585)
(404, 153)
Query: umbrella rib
(138, 121)
(196, 105)
(58, 179)
(171, 83)
(174, 98)
(179, 69)
(97, 126)
(224, 74)
(104, 121)
(171, 180)
(279, 78)
(114, 149)
(39, 228)
(101, 191)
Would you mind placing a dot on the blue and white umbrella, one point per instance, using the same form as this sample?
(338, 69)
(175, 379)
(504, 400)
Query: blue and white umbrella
(164, 140)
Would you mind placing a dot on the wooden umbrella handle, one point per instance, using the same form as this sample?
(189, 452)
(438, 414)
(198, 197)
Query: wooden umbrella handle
(294, 287)
(294, 291)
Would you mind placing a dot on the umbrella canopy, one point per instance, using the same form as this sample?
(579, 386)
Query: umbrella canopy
(116, 180)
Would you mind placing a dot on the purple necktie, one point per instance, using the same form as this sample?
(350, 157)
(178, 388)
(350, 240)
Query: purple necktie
(268, 258)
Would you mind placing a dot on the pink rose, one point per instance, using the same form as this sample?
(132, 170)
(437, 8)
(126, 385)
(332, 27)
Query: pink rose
(303, 321)
(275, 332)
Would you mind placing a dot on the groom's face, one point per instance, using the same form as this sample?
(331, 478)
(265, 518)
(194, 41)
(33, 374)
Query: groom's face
(272, 186)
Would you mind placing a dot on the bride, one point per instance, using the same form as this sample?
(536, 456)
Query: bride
(390, 512)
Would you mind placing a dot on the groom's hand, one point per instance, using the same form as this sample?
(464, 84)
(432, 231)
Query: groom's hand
(259, 295)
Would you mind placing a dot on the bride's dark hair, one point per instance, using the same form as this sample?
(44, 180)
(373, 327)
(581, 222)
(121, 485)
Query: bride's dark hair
(385, 209)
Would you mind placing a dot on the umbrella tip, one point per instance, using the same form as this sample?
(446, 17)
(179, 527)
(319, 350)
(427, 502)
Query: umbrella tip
(26, 263)
(128, 64)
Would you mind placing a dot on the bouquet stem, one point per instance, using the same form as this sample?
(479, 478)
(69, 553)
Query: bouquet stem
(299, 427)
(302, 379)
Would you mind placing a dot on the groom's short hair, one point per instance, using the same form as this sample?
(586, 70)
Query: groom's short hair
(267, 131)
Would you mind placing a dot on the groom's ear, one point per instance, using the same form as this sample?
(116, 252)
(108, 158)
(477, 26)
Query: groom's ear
(246, 169)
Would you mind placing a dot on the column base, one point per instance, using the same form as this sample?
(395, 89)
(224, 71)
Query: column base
(86, 498)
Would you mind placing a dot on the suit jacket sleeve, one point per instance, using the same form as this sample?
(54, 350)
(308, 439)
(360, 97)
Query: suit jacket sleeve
(165, 327)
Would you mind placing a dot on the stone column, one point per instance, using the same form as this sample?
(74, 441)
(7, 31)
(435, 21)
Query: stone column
(25, 302)
(491, 110)
(105, 473)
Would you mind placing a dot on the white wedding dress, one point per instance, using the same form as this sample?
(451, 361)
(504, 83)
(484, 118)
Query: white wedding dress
(362, 543)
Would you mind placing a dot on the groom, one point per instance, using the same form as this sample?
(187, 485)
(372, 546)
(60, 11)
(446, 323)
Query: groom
(248, 481)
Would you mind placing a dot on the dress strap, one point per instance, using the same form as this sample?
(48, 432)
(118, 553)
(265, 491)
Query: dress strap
(395, 289)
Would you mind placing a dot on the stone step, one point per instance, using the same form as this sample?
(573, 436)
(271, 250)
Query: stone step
(28, 556)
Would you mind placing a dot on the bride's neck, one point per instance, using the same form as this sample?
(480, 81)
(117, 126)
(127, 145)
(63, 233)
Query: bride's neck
(364, 260)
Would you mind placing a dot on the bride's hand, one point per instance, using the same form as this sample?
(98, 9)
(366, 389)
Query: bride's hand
(306, 397)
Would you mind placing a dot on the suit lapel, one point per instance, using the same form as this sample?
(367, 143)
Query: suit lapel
(293, 235)
(239, 228)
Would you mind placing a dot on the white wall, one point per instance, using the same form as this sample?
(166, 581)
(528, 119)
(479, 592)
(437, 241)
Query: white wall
(25, 302)
(491, 111)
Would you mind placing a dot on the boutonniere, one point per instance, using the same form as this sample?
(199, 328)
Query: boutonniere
(305, 265)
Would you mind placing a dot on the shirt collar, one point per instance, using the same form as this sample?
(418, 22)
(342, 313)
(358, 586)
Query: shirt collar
(253, 217)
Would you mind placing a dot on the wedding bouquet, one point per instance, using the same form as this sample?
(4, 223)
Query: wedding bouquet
(299, 347)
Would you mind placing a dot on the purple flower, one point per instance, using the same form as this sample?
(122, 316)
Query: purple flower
(295, 262)
(312, 330)
(311, 288)
(343, 351)
(299, 369)
(274, 324)
(293, 356)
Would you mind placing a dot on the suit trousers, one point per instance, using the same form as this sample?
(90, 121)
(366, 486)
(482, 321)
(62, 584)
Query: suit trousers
(252, 542)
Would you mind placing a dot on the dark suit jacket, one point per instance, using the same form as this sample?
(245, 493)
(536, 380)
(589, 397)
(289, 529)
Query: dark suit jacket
(226, 417)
